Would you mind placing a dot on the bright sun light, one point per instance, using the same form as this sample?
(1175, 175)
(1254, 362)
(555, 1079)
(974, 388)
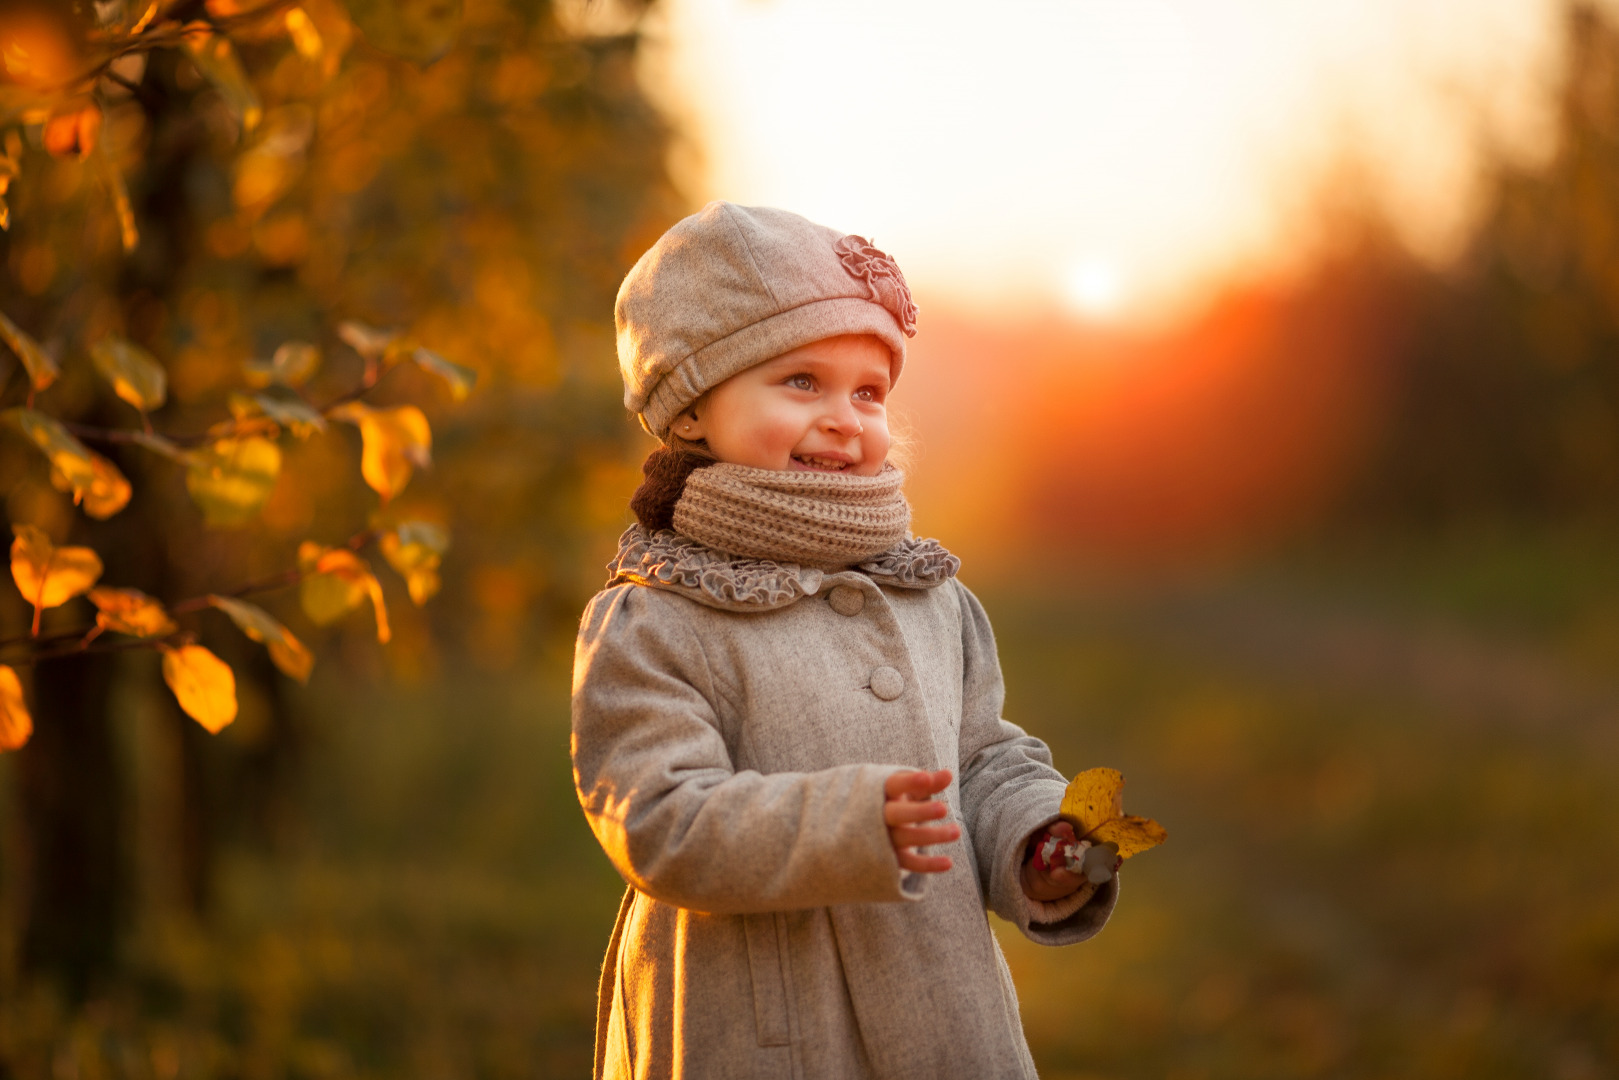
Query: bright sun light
(1094, 286)
(984, 145)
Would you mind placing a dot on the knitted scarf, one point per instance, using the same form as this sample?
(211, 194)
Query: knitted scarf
(810, 518)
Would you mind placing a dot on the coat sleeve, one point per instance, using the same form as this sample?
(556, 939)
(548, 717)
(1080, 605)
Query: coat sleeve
(658, 786)
(1008, 790)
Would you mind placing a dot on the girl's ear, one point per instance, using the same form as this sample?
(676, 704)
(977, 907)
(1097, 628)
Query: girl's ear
(689, 427)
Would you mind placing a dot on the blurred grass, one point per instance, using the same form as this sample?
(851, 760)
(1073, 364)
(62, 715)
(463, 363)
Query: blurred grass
(1389, 793)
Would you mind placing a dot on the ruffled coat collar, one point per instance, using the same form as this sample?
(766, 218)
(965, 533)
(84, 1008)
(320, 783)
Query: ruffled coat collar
(667, 560)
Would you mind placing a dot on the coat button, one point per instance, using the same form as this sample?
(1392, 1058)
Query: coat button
(846, 600)
(887, 683)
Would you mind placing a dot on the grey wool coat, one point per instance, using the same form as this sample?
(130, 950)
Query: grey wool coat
(733, 724)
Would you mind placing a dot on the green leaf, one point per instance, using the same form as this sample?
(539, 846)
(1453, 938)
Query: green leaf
(135, 374)
(461, 379)
(42, 370)
(214, 57)
(292, 365)
(419, 30)
(232, 479)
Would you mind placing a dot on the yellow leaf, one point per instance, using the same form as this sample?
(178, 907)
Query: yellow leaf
(1131, 834)
(69, 458)
(1094, 801)
(336, 581)
(130, 611)
(231, 479)
(305, 38)
(1094, 796)
(135, 374)
(394, 441)
(214, 57)
(461, 379)
(292, 365)
(49, 576)
(42, 370)
(204, 685)
(368, 341)
(128, 233)
(419, 30)
(286, 651)
(15, 723)
(108, 492)
(415, 550)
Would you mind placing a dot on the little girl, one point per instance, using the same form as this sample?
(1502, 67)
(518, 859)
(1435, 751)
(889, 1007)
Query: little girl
(787, 728)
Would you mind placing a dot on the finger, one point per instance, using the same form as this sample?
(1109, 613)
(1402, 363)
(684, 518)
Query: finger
(905, 812)
(905, 785)
(924, 864)
(924, 835)
(1063, 829)
(916, 784)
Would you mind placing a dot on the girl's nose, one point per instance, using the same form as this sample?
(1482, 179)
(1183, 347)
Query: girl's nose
(842, 420)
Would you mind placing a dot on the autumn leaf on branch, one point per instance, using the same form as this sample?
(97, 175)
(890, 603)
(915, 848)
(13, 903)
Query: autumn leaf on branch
(130, 611)
(49, 576)
(285, 409)
(16, 725)
(135, 374)
(415, 549)
(292, 365)
(286, 651)
(204, 685)
(394, 442)
(232, 479)
(42, 370)
(336, 581)
(95, 482)
(216, 59)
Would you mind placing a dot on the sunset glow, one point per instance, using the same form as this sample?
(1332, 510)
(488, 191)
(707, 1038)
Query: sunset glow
(986, 144)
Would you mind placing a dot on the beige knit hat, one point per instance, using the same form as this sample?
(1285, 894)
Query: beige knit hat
(732, 286)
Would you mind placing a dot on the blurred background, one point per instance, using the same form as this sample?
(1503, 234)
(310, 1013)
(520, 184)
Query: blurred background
(1266, 385)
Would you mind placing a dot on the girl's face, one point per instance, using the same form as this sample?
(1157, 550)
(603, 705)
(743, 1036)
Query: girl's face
(821, 407)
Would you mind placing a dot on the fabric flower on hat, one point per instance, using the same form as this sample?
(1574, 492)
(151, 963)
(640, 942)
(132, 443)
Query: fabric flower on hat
(882, 276)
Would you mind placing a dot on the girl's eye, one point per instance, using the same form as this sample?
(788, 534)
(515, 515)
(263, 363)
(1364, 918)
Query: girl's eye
(801, 382)
(865, 393)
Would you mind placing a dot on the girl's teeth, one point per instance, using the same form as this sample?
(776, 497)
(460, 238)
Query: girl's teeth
(822, 463)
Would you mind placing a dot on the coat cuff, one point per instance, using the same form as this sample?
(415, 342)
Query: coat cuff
(1067, 921)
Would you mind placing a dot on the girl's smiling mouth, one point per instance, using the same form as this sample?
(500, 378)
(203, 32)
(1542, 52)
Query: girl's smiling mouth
(819, 462)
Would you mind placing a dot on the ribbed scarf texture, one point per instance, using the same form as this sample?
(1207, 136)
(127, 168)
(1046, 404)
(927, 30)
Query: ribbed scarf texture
(810, 518)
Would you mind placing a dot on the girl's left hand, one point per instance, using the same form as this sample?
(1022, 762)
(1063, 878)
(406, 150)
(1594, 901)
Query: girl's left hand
(1055, 882)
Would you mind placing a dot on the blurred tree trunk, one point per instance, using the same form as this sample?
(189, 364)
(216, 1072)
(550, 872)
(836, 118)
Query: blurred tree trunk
(72, 801)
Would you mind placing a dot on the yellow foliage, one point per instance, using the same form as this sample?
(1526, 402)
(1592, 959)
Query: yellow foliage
(108, 493)
(130, 611)
(286, 651)
(419, 30)
(305, 37)
(135, 374)
(292, 365)
(395, 441)
(336, 581)
(49, 576)
(42, 370)
(16, 725)
(233, 478)
(1094, 801)
(216, 59)
(204, 685)
(415, 549)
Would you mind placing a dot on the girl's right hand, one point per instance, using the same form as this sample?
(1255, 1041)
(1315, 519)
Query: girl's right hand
(910, 802)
